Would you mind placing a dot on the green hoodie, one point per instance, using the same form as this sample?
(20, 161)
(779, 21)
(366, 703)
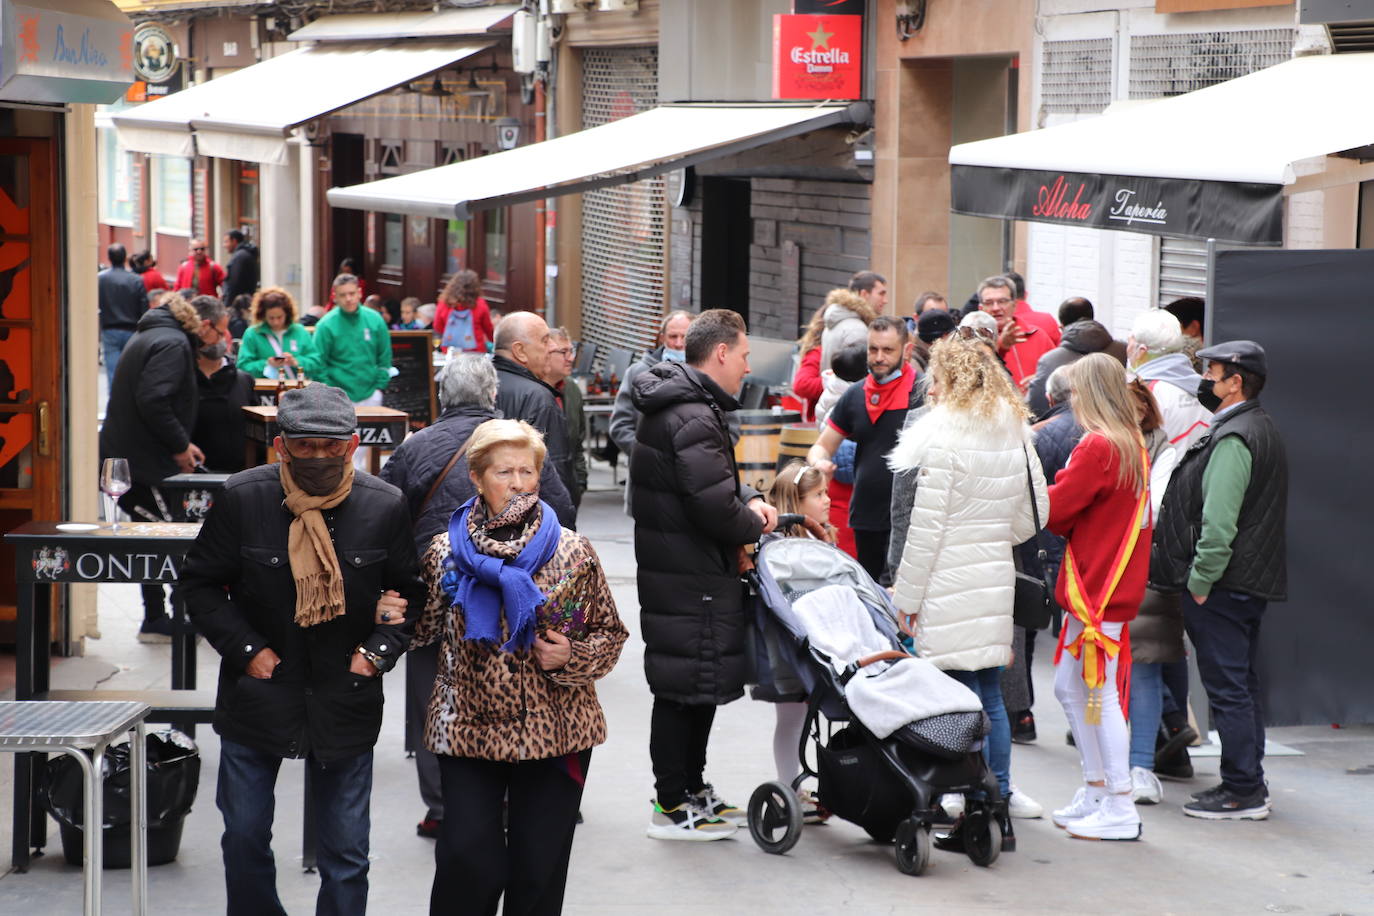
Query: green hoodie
(354, 351)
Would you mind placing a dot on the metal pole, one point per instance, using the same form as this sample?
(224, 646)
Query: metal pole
(138, 818)
(540, 211)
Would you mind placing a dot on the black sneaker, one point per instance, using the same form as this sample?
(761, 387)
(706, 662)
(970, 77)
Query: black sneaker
(1208, 793)
(429, 828)
(1177, 766)
(1023, 728)
(1171, 741)
(159, 629)
(1226, 806)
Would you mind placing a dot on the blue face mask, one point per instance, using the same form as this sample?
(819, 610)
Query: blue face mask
(674, 356)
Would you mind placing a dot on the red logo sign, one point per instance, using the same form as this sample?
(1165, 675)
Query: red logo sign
(817, 57)
(1054, 203)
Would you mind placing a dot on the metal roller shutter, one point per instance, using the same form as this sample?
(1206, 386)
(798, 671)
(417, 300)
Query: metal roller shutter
(624, 228)
(1182, 269)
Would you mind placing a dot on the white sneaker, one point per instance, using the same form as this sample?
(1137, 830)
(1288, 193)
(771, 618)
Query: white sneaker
(1145, 787)
(687, 822)
(1021, 805)
(952, 804)
(1114, 819)
(1085, 802)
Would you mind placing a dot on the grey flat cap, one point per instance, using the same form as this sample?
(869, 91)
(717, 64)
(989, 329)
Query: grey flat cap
(316, 411)
(1246, 354)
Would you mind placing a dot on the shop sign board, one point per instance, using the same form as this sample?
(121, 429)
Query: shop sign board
(817, 57)
(57, 55)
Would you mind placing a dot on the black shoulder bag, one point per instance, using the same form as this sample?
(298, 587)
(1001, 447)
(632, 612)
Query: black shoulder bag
(1034, 595)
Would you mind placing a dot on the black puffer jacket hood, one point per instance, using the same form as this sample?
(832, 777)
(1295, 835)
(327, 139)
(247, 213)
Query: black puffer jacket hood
(667, 384)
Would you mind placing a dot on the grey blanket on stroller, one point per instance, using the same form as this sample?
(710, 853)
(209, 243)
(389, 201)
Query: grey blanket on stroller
(885, 695)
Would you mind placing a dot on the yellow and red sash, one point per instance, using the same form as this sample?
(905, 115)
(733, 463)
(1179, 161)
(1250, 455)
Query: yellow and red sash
(1093, 646)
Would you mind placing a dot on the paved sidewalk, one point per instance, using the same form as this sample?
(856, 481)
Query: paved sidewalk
(1314, 856)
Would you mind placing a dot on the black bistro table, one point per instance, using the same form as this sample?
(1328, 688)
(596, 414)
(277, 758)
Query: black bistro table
(53, 553)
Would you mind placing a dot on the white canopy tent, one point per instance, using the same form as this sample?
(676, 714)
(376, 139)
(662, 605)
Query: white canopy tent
(639, 146)
(250, 114)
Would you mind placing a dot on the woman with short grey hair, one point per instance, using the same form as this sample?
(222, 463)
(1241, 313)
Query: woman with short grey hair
(431, 469)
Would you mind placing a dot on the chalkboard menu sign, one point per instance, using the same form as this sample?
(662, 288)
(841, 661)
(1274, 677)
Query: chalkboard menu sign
(413, 389)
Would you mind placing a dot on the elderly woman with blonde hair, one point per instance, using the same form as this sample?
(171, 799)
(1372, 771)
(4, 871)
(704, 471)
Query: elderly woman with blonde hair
(977, 473)
(527, 625)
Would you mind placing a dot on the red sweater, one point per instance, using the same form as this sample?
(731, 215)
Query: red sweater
(211, 276)
(482, 328)
(1093, 512)
(807, 383)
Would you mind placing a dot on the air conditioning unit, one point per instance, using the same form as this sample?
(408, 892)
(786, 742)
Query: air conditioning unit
(524, 40)
(610, 6)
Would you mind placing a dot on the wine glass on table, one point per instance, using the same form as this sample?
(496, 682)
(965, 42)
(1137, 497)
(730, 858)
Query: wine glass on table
(114, 483)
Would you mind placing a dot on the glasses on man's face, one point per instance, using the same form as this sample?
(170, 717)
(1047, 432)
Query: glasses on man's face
(1001, 302)
(564, 352)
(201, 248)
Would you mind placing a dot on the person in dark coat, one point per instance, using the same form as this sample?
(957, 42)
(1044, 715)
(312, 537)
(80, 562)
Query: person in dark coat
(467, 394)
(152, 411)
(123, 299)
(1079, 339)
(241, 271)
(691, 516)
(224, 390)
(522, 354)
(304, 579)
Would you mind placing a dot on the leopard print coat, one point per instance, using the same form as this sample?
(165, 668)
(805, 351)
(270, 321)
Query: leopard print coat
(492, 705)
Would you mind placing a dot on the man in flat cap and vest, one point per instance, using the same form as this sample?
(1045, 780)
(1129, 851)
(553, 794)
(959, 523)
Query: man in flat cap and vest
(304, 578)
(1220, 539)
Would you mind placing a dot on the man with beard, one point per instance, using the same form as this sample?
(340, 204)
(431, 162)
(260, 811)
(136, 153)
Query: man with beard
(152, 412)
(871, 413)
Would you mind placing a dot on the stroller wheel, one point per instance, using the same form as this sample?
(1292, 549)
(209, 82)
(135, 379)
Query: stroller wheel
(982, 835)
(775, 818)
(912, 846)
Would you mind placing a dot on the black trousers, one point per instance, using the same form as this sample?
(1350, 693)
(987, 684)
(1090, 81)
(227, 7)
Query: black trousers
(140, 496)
(678, 734)
(871, 547)
(476, 861)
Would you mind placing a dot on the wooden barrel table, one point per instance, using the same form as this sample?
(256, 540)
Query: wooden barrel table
(796, 441)
(756, 452)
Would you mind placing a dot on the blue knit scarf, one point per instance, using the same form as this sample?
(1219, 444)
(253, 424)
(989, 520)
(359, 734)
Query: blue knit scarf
(485, 587)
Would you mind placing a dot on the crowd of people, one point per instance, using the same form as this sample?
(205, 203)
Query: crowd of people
(955, 452)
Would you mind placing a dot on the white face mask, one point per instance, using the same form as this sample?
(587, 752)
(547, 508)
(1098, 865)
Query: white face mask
(674, 356)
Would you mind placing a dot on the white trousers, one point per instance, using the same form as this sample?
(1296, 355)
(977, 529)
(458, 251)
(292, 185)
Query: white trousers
(1105, 748)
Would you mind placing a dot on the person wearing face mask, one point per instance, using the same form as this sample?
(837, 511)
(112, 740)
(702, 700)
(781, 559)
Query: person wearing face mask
(672, 339)
(224, 390)
(151, 414)
(871, 413)
(1155, 354)
(1220, 544)
(304, 579)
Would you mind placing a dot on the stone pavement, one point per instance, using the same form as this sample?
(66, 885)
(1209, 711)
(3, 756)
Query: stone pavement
(1315, 855)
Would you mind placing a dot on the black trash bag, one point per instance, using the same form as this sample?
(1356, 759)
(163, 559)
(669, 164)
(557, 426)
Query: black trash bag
(172, 781)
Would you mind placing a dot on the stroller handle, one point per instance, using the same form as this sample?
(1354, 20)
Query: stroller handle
(788, 519)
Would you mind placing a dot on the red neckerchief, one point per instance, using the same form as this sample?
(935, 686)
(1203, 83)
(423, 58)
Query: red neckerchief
(895, 395)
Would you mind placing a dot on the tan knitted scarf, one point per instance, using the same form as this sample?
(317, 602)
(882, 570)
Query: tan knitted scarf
(314, 566)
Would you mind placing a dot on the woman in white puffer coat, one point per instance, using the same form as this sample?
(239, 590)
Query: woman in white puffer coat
(955, 585)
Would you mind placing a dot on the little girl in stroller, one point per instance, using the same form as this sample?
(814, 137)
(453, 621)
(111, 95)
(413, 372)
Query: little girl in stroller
(898, 731)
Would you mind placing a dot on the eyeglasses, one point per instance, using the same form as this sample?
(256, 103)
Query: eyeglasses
(996, 302)
(201, 248)
(561, 351)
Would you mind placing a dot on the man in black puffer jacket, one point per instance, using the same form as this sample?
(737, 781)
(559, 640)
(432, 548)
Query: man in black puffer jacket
(691, 517)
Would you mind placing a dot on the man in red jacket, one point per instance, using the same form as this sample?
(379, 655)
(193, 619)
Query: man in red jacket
(199, 272)
(1024, 334)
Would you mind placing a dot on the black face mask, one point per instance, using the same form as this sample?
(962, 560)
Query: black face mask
(318, 476)
(1206, 396)
(215, 350)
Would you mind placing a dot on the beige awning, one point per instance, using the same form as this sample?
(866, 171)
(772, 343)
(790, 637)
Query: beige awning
(640, 146)
(449, 23)
(249, 114)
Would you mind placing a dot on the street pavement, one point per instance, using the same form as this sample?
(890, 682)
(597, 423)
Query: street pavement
(1315, 855)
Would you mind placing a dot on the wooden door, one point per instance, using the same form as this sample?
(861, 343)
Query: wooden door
(31, 317)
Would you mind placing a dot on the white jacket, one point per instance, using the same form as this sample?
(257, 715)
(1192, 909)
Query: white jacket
(972, 505)
(834, 387)
(842, 328)
(1174, 384)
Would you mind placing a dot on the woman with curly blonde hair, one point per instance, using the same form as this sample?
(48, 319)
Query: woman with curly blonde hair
(977, 472)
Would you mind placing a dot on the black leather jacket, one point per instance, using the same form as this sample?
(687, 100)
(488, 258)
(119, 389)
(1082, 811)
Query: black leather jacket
(522, 396)
(239, 592)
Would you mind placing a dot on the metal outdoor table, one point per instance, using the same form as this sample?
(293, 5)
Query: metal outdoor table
(381, 428)
(48, 554)
(28, 728)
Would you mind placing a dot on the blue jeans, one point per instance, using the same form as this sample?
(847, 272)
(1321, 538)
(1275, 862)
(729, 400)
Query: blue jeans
(112, 343)
(1147, 703)
(341, 791)
(1225, 630)
(987, 683)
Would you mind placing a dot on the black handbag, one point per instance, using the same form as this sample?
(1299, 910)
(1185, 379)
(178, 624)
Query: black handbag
(1033, 606)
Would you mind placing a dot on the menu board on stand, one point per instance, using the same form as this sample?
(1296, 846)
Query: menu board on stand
(412, 388)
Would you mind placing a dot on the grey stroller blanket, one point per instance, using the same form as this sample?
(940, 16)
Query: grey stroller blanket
(885, 695)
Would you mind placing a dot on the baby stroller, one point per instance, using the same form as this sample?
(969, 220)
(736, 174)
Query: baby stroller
(820, 625)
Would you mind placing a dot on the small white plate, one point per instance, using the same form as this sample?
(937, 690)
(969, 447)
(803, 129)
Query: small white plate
(77, 526)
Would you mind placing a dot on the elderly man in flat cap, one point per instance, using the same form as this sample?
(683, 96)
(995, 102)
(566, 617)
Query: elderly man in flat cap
(1220, 540)
(304, 578)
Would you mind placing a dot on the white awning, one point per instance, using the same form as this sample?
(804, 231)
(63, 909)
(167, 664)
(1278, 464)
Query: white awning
(1249, 129)
(424, 24)
(249, 114)
(640, 146)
